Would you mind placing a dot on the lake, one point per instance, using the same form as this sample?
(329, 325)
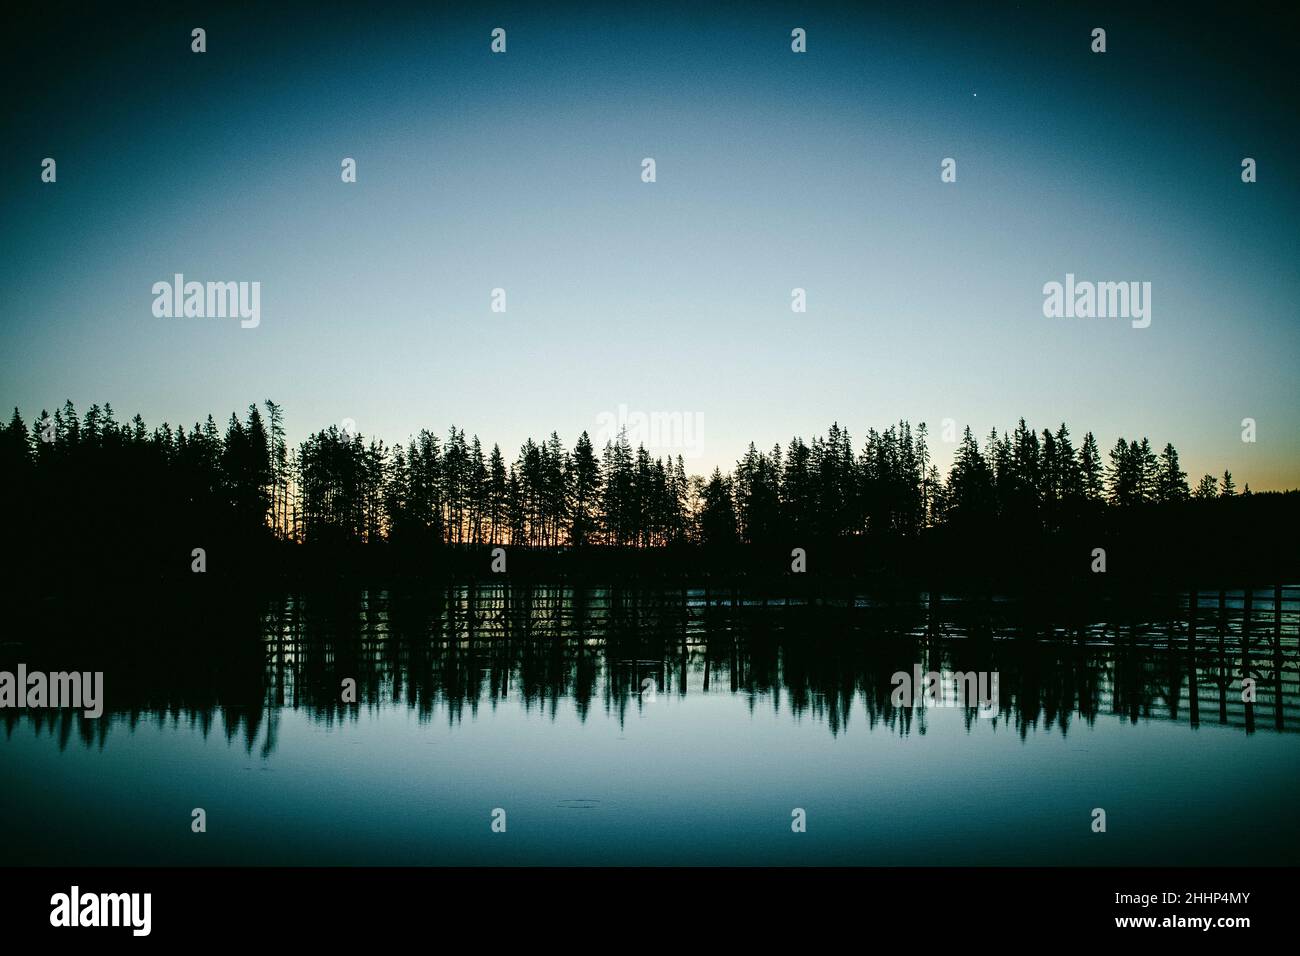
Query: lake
(599, 727)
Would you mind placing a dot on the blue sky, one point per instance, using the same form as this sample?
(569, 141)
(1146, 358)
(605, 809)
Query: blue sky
(774, 171)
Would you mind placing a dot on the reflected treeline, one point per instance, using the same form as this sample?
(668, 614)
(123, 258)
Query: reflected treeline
(447, 655)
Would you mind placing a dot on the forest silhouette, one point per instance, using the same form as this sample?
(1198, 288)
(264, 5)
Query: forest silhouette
(90, 499)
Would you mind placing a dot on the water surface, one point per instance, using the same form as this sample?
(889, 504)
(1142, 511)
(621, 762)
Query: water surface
(652, 728)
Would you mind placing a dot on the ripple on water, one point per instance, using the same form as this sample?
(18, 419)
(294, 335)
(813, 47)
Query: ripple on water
(579, 804)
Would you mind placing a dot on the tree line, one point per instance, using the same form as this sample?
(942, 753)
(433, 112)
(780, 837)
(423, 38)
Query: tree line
(338, 487)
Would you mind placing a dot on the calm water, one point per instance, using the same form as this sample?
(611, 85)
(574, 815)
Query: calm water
(655, 728)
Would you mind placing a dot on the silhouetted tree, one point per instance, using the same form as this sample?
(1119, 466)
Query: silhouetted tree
(1090, 470)
(184, 487)
(1171, 481)
(717, 512)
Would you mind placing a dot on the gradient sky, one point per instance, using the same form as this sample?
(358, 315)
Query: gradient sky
(775, 170)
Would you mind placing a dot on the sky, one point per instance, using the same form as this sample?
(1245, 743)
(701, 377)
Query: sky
(774, 170)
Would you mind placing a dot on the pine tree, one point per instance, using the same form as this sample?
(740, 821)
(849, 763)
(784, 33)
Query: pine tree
(585, 489)
(498, 499)
(1123, 474)
(1171, 480)
(717, 513)
(1090, 470)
